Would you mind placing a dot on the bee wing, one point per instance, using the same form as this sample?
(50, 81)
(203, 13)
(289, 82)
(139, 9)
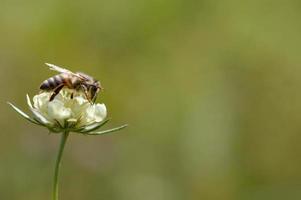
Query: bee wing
(84, 76)
(58, 69)
(62, 70)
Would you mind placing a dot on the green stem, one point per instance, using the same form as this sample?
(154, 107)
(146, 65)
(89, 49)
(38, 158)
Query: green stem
(55, 192)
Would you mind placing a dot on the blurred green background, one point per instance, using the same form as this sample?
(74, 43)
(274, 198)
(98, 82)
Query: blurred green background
(211, 90)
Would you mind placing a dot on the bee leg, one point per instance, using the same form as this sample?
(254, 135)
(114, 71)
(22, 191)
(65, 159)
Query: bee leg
(87, 97)
(71, 95)
(56, 91)
(86, 93)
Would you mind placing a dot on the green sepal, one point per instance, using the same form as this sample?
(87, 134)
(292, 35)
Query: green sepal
(93, 127)
(107, 131)
(23, 114)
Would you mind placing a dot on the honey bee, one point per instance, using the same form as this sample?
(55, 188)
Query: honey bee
(76, 81)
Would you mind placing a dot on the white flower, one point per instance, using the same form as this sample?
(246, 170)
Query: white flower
(64, 113)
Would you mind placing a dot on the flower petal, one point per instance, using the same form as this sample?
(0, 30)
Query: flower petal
(40, 118)
(94, 113)
(57, 110)
(28, 101)
(40, 101)
(100, 112)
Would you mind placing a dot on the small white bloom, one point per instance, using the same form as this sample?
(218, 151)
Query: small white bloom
(67, 114)
(64, 112)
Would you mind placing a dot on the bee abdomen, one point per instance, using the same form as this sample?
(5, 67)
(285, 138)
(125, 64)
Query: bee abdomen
(52, 82)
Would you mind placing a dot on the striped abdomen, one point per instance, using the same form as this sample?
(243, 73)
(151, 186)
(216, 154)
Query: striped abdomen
(55, 81)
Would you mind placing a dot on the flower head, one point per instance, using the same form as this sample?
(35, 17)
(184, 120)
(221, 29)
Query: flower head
(67, 114)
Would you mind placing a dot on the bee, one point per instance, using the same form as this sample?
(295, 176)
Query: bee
(76, 81)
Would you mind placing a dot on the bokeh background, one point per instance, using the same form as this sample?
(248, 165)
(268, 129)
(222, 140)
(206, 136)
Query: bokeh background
(211, 90)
